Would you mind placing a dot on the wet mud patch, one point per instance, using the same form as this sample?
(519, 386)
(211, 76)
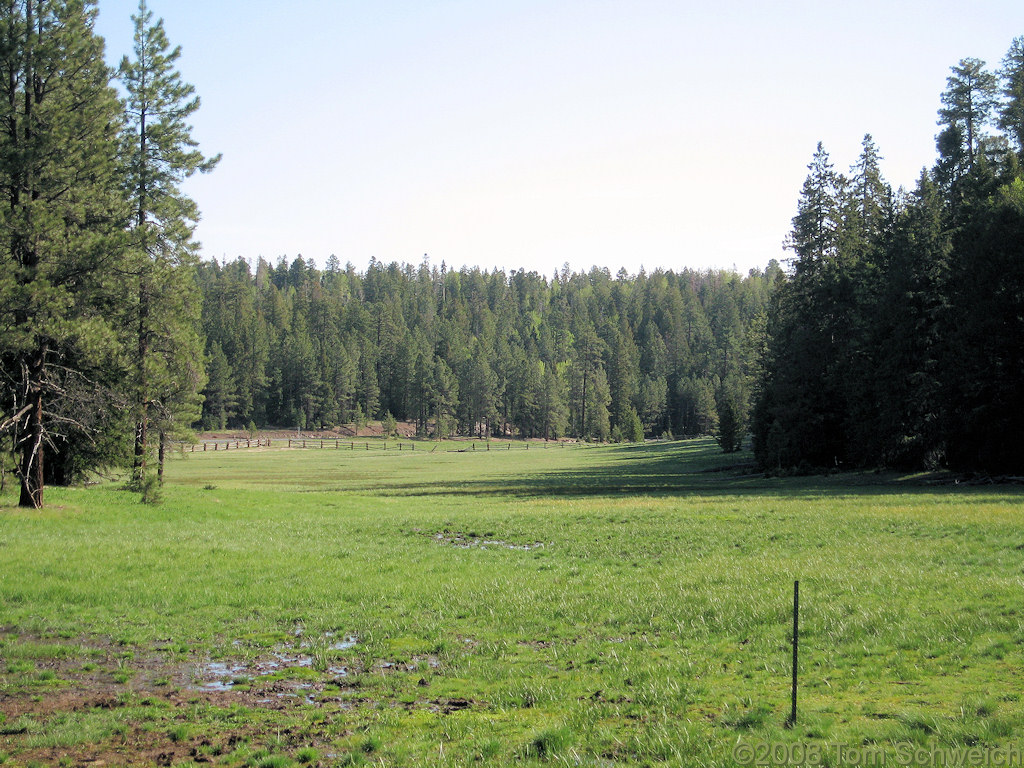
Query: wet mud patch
(316, 655)
(155, 705)
(461, 540)
(448, 705)
(103, 703)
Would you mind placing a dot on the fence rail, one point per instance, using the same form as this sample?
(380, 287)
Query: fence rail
(337, 443)
(204, 446)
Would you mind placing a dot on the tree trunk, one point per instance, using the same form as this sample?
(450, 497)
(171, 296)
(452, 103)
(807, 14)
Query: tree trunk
(142, 425)
(30, 438)
(160, 460)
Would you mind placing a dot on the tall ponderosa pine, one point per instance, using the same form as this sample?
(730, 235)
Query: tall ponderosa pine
(159, 153)
(1011, 118)
(59, 219)
(968, 104)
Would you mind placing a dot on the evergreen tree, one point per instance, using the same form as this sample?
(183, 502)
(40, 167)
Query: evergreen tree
(984, 390)
(443, 396)
(868, 208)
(731, 406)
(586, 393)
(911, 322)
(1011, 117)
(220, 390)
(968, 104)
(699, 413)
(817, 222)
(624, 382)
(802, 393)
(58, 227)
(158, 154)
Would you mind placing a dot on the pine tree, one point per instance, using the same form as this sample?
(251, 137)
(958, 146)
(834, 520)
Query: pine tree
(801, 409)
(159, 152)
(817, 222)
(1011, 117)
(586, 394)
(731, 405)
(908, 335)
(868, 208)
(58, 224)
(624, 382)
(968, 104)
(221, 401)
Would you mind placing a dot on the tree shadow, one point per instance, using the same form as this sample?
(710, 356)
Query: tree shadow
(684, 468)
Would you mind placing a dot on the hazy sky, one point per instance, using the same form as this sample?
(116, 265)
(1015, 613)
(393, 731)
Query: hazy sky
(523, 134)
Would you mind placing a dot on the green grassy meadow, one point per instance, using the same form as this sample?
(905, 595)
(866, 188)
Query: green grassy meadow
(577, 605)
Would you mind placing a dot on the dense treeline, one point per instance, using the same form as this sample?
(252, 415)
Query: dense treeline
(898, 337)
(98, 309)
(476, 353)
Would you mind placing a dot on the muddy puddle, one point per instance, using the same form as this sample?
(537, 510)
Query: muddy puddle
(227, 675)
(469, 541)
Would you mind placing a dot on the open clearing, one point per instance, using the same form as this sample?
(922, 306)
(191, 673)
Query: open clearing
(577, 605)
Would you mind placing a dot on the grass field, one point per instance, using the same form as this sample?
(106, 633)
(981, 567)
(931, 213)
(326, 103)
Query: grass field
(578, 606)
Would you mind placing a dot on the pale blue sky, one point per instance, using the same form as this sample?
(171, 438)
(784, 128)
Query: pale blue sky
(528, 134)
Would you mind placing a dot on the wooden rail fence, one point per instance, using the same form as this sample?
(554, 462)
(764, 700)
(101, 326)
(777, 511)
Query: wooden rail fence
(205, 445)
(335, 443)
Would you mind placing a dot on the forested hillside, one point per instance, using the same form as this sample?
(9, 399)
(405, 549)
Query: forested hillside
(478, 352)
(898, 337)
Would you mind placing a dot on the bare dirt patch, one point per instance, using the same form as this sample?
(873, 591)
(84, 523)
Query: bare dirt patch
(461, 540)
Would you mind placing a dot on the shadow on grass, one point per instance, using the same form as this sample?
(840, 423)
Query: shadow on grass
(690, 467)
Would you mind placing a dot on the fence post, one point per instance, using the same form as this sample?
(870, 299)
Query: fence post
(367, 446)
(796, 647)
